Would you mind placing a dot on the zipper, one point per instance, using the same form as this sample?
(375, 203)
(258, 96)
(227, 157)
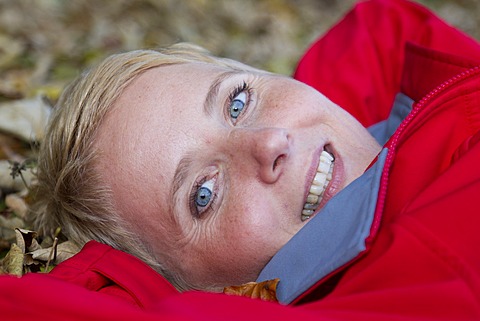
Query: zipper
(393, 142)
(382, 193)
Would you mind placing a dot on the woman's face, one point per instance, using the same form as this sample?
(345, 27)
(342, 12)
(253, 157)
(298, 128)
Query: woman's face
(213, 167)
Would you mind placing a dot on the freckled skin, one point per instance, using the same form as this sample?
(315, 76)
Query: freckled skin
(258, 205)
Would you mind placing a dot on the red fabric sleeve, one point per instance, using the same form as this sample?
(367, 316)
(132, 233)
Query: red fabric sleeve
(42, 297)
(358, 64)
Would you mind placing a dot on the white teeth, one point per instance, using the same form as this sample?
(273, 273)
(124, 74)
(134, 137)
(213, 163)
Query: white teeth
(327, 156)
(320, 178)
(307, 212)
(309, 206)
(324, 166)
(312, 199)
(316, 190)
(319, 184)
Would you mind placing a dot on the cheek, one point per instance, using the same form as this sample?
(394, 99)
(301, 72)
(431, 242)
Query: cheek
(251, 209)
(258, 213)
(253, 226)
(234, 247)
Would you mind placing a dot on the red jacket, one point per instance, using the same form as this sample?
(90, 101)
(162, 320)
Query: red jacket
(422, 260)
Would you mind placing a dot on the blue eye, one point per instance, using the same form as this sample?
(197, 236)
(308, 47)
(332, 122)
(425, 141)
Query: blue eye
(204, 194)
(238, 101)
(237, 104)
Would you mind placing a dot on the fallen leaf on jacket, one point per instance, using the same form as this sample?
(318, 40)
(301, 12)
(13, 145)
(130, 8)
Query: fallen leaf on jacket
(13, 262)
(266, 290)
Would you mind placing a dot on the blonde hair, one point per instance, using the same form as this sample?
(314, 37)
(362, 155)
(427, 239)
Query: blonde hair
(70, 193)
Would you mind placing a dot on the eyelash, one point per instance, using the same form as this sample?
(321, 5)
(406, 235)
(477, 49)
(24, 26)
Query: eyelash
(244, 87)
(237, 90)
(193, 194)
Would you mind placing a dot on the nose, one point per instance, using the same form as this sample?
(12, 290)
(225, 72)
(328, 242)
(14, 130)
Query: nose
(264, 149)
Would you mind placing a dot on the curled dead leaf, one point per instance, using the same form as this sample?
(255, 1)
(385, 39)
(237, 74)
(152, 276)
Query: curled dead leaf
(27, 255)
(26, 240)
(13, 262)
(64, 251)
(266, 290)
(31, 265)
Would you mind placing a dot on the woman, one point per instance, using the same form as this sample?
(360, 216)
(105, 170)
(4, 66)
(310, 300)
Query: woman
(190, 174)
(215, 173)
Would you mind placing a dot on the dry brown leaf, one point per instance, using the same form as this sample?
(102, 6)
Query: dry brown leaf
(31, 265)
(17, 204)
(27, 255)
(65, 251)
(26, 239)
(13, 261)
(266, 290)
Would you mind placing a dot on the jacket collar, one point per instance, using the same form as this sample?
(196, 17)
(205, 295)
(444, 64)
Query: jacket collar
(428, 68)
(333, 238)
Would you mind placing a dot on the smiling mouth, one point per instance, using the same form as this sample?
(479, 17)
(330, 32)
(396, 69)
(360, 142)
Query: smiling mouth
(322, 178)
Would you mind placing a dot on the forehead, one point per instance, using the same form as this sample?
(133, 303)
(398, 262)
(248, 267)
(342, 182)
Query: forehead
(171, 81)
(159, 105)
(162, 96)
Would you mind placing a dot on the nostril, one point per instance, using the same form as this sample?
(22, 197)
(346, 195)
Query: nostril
(278, 161)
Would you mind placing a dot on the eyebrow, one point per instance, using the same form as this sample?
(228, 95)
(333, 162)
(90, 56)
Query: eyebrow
(181, 173)
(185, 163)
(212, 93)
